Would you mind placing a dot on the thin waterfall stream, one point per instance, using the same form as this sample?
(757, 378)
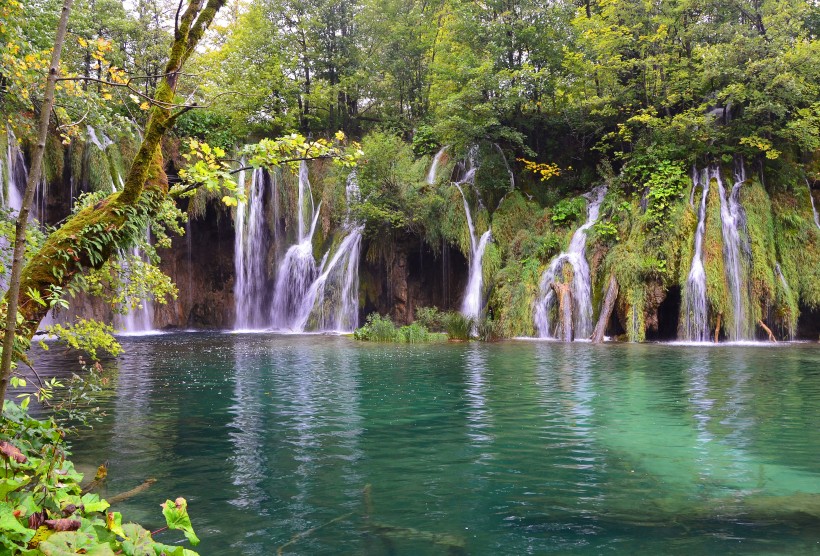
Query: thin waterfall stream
(576, 313)
(473, 302)
(695, 323)
(139, 319)
(813, 207)
(736, 257)
(432, 174)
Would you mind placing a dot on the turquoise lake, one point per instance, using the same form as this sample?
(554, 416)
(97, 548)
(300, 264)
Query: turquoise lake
(325, 445)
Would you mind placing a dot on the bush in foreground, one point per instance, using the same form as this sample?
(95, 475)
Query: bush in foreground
(44, 511)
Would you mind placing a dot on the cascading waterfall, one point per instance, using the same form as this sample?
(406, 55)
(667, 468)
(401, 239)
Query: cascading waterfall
(297, 271)
(580, 288)
(432, 174)
(472, 304)
(736, 257)
(695, 324)
(813, 207)
(332, 301)
(303, 295)
(250, 255)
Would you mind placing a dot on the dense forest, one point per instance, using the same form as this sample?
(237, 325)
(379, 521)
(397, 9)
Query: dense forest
(538, 108)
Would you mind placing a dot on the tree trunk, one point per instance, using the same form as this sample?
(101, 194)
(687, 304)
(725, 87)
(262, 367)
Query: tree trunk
(18, 258)
(768, 331)
(606, 310)
(90, 237)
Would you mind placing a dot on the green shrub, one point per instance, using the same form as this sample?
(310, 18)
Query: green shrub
(568, 210)
(458, 326)
(377, 329)
(381, 329)
(430, 318)
(487, 330)
(414, 334)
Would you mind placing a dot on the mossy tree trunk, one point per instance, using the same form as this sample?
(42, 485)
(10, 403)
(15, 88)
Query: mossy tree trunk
(90, 237)
(28, 199)
(606, 310)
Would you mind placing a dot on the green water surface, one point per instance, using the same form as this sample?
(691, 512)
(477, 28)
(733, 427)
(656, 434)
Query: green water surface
(343, 447)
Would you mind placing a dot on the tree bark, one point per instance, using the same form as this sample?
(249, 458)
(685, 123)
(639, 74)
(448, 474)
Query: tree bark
(90, 237)
(768, 331)
(606, 310)
(18, 258)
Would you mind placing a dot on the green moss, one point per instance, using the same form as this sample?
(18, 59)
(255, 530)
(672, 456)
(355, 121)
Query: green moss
(760, 227)
(511, 300)
(797, 241)
(53, 159)
(717, 293)
(514, 214)
(99, 171)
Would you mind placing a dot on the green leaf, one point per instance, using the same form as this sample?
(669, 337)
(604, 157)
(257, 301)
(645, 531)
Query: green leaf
(138, 541)
(10, 526)
(92, 503)
(114, 523)
(176, 516)
(74, 542)
(10, 485)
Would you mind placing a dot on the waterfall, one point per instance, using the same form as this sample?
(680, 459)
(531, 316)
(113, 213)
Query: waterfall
(813, 207)
(580, 289)
(472, 304)
(333, 298)
(250, 255)
(433, 173)
(736, 257)
(298, 270)
(138, 320)
(695, 324)
(17, 173)
(304, 295)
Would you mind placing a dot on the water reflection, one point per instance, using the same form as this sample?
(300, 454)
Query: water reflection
(247, 433)
(479, 416)
(500, 449)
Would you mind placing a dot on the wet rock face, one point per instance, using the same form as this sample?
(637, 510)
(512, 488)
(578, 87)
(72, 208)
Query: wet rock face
(410, 276)
(655, 295)
(201, 264)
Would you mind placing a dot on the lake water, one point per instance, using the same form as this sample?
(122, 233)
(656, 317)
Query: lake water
(343, 447)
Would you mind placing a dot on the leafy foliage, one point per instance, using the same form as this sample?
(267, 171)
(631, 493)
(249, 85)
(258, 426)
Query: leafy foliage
(44, 510)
